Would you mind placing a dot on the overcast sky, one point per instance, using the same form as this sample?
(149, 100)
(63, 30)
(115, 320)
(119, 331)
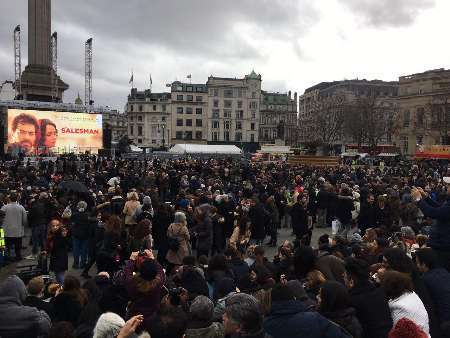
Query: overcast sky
(293, 44)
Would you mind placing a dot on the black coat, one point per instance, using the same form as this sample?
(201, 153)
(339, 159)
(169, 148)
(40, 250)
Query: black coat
(258, 218)
(81, 227)
(367, 216)
(437, 282)
(58, 253)
(344, 209)
(299, 220)
(240, 268)
(372, 310)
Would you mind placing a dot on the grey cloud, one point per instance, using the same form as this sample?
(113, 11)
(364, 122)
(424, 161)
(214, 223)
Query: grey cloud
(143, 34)
(388, 13)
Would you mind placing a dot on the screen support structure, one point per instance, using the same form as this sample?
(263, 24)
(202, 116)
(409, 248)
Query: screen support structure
(54, 63)
(88, 102)
(17, 62)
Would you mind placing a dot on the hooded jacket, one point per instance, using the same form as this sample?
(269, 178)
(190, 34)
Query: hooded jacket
(290, 319)
(19, 320)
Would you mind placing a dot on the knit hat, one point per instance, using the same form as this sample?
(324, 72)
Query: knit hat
(108, 325)
(297, 289)
(201, 308)
(179, 217)
(183, 203)
(148, 269)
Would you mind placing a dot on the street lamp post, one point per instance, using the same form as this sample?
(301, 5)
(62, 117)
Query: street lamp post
(163, 137)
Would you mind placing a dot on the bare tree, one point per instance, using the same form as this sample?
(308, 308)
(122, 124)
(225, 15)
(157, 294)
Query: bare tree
(440, 116)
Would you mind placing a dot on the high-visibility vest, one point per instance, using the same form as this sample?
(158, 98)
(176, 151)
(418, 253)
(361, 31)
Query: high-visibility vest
(2, 238)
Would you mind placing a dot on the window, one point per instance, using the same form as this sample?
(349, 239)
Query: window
(139, 130)
(198, 111)
(215, 124)
(253, 95)
(179, 97)
(228, 93)
(163, 119)
(252, 137)
(139, 140)
(131, 107)
(253, 105)
(239, 114)
(199, 98)
(189, 88)
(198, 123)
(131, 130)
(179, 135)
(227, 124)
(179, 110)
(227, 114)
(154, 107)
(189, 122)
(238, 137)
(179, 122)
(199, 89)
(164, 107)
(215, 136)
(239, 104)
(226, 135)
(253, 115)
(238, 125)
(198, 135)
(252, 126)
(216, 103)
(239, 92)
(131, 118)
(189, 98)
(188, 135)
(140, 118)
(216, 92)
(406, 117)
(227, 103)
(153, 141)
(404, 140)
(140, 107)
(215, 113)
(420, 117)
(188, 110)
(419, 139)
(153, 129)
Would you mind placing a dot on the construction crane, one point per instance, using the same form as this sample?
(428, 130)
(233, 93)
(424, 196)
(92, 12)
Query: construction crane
(54, 63)
(88, 74)
(17, 62)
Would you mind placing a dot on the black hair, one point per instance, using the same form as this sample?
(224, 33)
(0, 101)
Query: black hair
(43, 127)
(169, 323)
(428, 257)
(334, 297)
(24, 119)
(396, 284)
(398, 260)
(281, 293)
(358, 269)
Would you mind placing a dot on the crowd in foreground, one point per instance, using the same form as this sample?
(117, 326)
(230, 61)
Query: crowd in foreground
(180, 249)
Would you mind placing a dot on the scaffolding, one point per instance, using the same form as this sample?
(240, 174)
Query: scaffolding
(54, 63)
(88, 102)
(17, 62)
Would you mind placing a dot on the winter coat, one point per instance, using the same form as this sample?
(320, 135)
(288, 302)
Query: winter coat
(322, 199)
(258, 218)
(437, 282)
(367, 216)
(299, 220)
(332, 267)
(347, 320)
(290, 319)
(440, 230)
(238, 238)
(19, 320)
(344, 209)
(215, 330)
(239, 267)
(410, 306)
(39, 213)
(66, 307)
(81, 225)
(58, 252)
(15, 220)
(129, 210)
(204, 232)
(181, 233)
(145, 296)
(372, 309)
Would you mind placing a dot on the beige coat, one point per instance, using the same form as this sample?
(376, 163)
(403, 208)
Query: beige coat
(180, 232)
(129, 209)
(236, 238)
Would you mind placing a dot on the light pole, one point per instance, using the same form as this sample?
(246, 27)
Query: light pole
(163, 137)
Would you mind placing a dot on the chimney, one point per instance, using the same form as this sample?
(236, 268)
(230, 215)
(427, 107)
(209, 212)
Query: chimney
(289, 94)
(295, 96)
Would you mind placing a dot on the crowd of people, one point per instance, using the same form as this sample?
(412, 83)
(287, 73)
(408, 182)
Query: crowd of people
(180, 249)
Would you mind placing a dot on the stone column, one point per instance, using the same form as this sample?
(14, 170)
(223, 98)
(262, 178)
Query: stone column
(39, 32)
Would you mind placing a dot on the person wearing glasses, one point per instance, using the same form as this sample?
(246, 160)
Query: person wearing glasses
(24, 132)
(48, 135)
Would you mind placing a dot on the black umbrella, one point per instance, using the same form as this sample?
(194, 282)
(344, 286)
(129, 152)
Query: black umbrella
(73, 186)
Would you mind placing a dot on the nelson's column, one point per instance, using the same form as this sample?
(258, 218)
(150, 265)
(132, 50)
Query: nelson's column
(38, 78)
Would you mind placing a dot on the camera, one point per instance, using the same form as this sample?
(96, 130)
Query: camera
(174, 295)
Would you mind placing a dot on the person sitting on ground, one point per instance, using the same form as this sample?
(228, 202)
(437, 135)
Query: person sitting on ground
(200, 324)
(19, 320)
(35, 288)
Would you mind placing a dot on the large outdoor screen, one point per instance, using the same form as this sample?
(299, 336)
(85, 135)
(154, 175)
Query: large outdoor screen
(36, 132)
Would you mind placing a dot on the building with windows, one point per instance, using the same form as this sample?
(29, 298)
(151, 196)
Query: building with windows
(424, 110)
(189, 113)
(148, 117)
(278, 118)
(233, 110)
(116, 122)
(326, 113)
